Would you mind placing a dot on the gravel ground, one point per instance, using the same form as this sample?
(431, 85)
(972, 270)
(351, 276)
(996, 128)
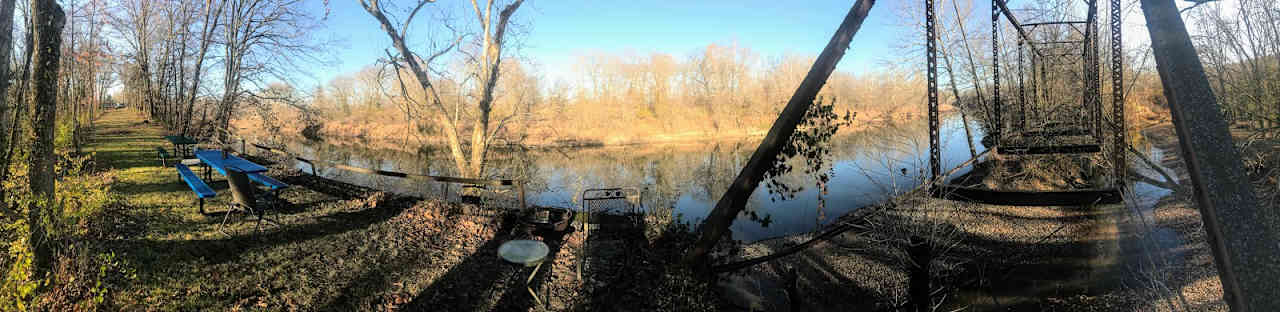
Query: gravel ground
(1101, 258)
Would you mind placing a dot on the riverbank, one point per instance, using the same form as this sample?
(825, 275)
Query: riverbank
(397, 135)
(345, 247)
(1191, 277)
(985, 258)
(348, 247)
(1146, 255)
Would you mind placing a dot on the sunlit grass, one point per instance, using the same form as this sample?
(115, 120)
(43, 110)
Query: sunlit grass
(348, 249)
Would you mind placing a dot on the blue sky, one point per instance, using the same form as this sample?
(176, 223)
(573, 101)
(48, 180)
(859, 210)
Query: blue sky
(559, 31)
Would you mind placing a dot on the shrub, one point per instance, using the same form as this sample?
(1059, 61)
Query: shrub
(84, 271)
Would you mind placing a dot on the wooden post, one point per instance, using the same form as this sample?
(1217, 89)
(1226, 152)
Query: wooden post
(520, 187)
(919, 284)
(1241, 234)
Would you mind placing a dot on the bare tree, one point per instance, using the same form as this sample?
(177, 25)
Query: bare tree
(486, 64)
(207, 29)
(134, 22)
(1241, 49)
(261, 38)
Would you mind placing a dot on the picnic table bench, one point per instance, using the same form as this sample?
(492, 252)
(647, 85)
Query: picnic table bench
(270, 183)
(239, 173)
(162, 154)
(198, 186)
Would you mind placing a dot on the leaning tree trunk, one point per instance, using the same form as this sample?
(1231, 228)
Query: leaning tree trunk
(955, 91)
(43, 95)
(735, 199)
(1241, 233)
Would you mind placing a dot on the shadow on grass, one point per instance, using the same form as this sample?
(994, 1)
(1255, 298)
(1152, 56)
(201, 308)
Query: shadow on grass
(477, 282)
(483, 281)
(227, 249)
(362, 291)
(516, 296)
(627, 271)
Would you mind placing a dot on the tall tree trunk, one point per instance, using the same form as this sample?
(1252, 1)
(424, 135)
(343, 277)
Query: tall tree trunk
(6, 49)
(206, 38)
(69, 86)
(735, 199)
(973, 64)
(16, 131)
(48, 22)
(955, 91)
(490, 71)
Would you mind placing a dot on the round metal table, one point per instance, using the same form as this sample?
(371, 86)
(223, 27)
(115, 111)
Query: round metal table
(528, 253)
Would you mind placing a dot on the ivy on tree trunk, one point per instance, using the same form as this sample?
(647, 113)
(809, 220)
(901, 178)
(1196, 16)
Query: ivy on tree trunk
(48, 19)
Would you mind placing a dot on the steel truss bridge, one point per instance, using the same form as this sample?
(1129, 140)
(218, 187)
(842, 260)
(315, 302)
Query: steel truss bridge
(1058, 101)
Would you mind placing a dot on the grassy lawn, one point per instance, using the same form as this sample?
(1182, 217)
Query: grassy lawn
(340, 247)
(332, 245)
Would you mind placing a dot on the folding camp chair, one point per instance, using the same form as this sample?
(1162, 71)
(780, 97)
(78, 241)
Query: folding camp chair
(247, 200)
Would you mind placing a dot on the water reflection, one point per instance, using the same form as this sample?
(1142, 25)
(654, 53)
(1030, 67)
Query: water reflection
(684, 179)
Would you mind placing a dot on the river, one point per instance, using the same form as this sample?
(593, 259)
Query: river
(686, 179)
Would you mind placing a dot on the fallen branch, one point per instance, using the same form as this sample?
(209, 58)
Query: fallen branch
(730, 267)
(1152, 181)
(1171, 182)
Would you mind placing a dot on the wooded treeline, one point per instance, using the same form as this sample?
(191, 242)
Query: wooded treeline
(55, 72)
(191, 64)
(84, 76)
(719, 90)
(1239, 44)
(58, 62)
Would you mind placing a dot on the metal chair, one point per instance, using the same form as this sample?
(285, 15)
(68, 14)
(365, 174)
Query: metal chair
(247, 200)
(613, 207)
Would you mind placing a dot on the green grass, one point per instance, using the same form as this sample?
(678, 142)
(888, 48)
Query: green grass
(184, 263)
(341, 247)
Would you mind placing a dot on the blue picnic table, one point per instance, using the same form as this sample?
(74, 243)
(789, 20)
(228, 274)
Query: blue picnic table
(218, 160)
(181, 145)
